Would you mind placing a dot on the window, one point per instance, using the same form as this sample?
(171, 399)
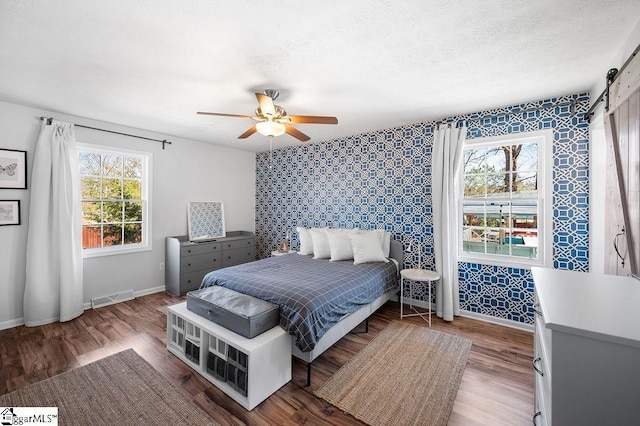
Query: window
(115, 200)
(503, 213)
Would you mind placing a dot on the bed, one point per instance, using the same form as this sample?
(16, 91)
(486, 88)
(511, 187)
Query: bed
(320, 301)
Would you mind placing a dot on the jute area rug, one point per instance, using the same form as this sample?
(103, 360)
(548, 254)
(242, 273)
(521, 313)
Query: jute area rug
(407, 375)
(122, 389)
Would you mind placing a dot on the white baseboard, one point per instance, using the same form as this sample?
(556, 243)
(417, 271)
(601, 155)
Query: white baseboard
(475, 315)
(499, 321)
(467, 314)
(420, 304)
(87, 305)
(11, 323)
(149, 291)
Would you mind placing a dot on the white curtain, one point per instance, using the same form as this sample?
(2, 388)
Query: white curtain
(446, 161)
(53, 287)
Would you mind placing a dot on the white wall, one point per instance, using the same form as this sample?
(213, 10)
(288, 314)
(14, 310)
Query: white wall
(597, 152)
(619, 55)
(185, 171)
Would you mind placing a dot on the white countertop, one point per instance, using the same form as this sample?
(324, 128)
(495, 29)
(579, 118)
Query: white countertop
(605, 307)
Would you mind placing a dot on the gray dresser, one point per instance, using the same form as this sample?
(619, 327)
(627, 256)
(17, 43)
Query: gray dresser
(186, 263)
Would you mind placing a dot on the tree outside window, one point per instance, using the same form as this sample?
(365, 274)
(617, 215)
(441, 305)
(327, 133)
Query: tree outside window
(500, 201)
(113, 199)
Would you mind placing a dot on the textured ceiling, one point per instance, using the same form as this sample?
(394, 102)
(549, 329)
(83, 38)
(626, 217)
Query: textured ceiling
(151, 64)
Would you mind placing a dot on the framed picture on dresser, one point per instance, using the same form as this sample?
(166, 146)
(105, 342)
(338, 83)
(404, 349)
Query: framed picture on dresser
(205, 220)
(13, 169)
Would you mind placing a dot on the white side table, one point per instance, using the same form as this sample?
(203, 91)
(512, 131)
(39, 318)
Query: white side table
(280, 253)
(416, 275)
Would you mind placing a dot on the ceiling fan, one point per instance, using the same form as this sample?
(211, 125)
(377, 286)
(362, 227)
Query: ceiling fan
(272, 120)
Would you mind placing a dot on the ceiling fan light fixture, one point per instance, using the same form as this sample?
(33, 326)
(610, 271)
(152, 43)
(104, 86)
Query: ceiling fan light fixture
(272, 120)
(270, 128)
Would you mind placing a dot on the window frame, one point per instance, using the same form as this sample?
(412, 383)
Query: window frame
(544, 139)
(147, 160)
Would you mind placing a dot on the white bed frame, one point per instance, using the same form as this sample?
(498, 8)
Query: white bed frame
(348, 323)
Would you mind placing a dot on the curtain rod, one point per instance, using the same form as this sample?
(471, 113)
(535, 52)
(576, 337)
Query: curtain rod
(163, 142)
(612, 74)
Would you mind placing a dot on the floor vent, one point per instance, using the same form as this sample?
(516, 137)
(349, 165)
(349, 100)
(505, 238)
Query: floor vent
(114, 298)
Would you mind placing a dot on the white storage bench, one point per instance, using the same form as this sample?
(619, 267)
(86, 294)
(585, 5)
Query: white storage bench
(248, 370)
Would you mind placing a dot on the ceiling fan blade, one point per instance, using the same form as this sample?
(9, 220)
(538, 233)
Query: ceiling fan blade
(266, 105)
(315, 119)
(248, 133)
(295, 133)
(224, 115)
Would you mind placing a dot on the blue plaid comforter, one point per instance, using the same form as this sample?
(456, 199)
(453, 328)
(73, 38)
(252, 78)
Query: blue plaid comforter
(313, 294)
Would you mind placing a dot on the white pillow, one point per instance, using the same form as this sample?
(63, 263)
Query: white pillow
(386, 244)
(366, 248)
(383, 237)
(306, 244)
(321, 249)
(339, 244)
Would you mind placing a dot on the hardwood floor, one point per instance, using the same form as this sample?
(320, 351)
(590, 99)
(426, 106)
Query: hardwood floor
(496, 388)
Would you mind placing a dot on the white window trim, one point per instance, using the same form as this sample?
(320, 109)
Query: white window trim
(146, 190)
(545, 221)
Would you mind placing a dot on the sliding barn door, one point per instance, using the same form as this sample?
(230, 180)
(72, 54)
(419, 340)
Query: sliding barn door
(622, 219)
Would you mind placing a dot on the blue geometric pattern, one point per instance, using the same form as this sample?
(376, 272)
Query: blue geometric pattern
(497, 291)
(382, 180)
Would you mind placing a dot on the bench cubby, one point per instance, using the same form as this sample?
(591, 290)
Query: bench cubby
(247, 370)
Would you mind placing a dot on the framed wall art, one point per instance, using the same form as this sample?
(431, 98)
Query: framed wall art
(13, 169)
(10, 212)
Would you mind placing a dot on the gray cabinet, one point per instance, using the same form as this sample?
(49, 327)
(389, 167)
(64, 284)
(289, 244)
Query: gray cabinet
(186, 263)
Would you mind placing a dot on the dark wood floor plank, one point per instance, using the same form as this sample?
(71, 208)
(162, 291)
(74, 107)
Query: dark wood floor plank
(496, 388)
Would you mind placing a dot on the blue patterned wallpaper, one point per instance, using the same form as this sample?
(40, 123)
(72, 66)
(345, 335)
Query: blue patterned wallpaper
(383, 180)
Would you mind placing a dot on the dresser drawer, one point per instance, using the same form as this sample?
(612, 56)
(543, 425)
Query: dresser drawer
(541, 330)
(209, 261)
(191, 281)
(542, 349)
(542, 406)
(237, 256)
(542, 371)
(238, 244)
(201, 248)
